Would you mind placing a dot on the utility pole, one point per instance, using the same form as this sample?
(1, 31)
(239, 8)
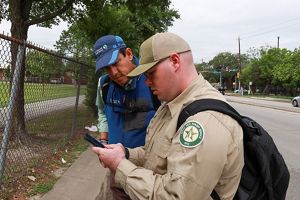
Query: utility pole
(220, 78)
(278, 42)
(240, 62)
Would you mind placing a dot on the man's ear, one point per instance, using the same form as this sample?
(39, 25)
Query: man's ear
(129, 53)
(175, 59)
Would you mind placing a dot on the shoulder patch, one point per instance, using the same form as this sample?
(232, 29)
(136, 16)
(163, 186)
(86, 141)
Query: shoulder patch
(191, 134)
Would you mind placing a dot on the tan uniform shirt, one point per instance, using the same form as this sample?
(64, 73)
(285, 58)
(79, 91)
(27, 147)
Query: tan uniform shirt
(165, 169)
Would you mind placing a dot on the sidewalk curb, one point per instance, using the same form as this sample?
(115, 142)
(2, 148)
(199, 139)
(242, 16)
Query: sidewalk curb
(82, 180)
(265, 106)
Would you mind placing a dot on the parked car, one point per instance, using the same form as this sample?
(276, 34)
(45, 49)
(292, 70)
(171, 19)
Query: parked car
(55, 80)
(238, 91)
(296, 101)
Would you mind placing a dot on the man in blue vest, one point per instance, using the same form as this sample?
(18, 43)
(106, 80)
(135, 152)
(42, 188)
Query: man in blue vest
(125, 106)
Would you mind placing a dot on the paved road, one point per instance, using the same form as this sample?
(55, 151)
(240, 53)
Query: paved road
(282, 123)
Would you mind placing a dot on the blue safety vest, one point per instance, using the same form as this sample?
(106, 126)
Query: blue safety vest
(128, 112)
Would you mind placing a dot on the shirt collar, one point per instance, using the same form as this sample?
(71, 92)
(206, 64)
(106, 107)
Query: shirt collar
(131, 84)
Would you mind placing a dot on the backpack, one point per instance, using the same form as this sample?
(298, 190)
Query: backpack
(104, 84)
(265, 174)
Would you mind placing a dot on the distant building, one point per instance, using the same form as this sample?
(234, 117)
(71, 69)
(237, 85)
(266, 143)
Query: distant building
(67, 77)
(4, 68)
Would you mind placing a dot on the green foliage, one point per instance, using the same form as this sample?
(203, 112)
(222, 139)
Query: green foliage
(43, 12)
(230, 60)
(42, 188)
(43, 65)
(208, 72)
(287, 72)
(35, 92)
(73, 43)
(7, 72)
(91, 90)
(111, 20)
(246, 75)
(226, 66)
(251, 73)
(228, 63)
(268, 60)
(133, 20)
(275, 67)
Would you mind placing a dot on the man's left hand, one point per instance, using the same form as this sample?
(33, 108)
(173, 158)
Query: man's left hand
(111, 156)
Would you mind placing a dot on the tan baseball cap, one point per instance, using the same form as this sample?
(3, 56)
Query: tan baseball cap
(156, 48)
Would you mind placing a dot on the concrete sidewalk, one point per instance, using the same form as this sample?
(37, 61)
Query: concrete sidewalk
(81, 181)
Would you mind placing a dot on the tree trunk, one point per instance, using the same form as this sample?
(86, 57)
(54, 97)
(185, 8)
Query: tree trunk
(266, 89)
(18, 30)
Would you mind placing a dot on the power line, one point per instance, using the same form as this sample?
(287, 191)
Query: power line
(273, 29)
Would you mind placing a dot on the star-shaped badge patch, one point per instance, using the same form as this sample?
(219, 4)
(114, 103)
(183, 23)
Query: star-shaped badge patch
(191, 134)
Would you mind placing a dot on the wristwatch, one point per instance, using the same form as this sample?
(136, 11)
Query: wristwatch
(126, 153)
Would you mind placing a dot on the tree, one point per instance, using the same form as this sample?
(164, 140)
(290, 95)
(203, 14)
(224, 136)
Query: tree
(269, 59)
(43, 66)
(228, 64)
(287, 72)
(22, 15)
(274, 67)
(295, 59)
(250, 73)
(133, 20)
(208, 72)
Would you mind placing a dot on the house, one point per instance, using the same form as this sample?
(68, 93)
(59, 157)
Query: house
(4, 72)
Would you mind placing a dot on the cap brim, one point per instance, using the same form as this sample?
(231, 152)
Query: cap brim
(109, 58)
(141, 69)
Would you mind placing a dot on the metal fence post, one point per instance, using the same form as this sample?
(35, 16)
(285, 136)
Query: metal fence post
(8, 126)
(76, 102)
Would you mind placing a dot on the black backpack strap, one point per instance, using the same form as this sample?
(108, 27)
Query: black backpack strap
(208, 104)
(104, 84)
(214, 195)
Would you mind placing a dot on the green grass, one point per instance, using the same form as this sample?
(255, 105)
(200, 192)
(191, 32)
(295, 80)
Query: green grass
(279, 97)
(43, 187)
(57, 126)
(34, 92)
(273, 96)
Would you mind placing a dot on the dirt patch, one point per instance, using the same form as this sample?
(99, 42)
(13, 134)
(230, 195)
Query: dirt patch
(46, 173)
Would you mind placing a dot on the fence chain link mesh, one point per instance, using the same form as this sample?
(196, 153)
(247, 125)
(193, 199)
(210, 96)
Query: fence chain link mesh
(39, 97)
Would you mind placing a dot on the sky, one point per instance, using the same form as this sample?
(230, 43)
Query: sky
(214, 26)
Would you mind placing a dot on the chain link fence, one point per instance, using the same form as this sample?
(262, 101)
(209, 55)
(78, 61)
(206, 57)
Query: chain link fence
(40, 93)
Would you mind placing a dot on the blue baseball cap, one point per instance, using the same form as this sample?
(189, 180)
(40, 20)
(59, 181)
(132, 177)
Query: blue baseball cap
(106, 50)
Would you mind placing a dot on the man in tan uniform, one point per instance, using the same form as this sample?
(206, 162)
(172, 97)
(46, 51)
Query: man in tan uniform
(204, 154)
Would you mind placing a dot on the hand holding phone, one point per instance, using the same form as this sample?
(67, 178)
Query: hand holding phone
(93, 140)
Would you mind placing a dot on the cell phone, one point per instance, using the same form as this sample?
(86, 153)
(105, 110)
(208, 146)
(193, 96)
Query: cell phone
(93, 140)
